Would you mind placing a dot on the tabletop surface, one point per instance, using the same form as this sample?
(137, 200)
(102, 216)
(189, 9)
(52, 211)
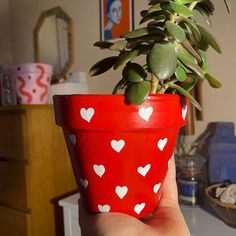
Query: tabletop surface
(200, 222)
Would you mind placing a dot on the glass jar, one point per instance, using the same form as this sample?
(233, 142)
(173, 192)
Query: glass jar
(191, 180)
(8, 91)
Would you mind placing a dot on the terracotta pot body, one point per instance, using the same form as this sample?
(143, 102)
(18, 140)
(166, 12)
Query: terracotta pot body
(32, 82)
(120, 152)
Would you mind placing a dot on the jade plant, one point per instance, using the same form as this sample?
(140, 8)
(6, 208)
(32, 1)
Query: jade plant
(167, 54)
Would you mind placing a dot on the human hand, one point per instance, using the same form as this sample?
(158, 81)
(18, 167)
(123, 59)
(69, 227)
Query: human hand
(166, 220)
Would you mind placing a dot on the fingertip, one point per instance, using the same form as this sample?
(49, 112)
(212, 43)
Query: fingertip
(169, 188)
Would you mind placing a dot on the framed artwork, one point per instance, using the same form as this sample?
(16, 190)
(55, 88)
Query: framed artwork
(116, 18)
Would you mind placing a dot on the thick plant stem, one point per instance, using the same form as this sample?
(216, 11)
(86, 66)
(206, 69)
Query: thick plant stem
(155, 86)
(163, 88)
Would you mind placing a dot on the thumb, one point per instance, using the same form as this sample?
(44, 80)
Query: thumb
(169, 188)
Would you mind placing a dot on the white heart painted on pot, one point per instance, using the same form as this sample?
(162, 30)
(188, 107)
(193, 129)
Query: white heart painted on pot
(99, 170)
(104, 208)
(72, 138)
(145, 113)
(184, 111)
(139, 207)
(117, 145)
(156, 187)
(87, 114)
(121, 191)
(144, 170)
(84, 182)
(162, 143)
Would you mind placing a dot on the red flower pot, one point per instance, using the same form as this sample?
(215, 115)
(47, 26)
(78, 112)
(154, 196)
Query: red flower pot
(120, 152)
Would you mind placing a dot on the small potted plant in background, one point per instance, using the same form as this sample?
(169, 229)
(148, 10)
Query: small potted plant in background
(121, 144)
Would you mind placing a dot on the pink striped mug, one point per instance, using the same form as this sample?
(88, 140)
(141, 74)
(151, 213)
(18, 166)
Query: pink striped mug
(32, 82)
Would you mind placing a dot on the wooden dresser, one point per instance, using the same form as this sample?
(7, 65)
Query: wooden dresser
(34, 170)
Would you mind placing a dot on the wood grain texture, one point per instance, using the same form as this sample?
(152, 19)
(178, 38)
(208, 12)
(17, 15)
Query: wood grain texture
(12, 135)
(47, 169)
(14, 223)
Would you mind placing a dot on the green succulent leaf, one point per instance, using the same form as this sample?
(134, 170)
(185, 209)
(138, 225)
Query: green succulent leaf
(213, 82)
(188, 60)
(202, 44)
(186, 94)
(142, 32)
(184, 56)
(173, 45)
(195, 41)
(181, 9)
(180, 74)
(209, 38)
(163, 60)
(102, 65)
(136, 93)
(118, 45)
(184, 1)
(148, 39)
(196, 69)
(133, 72)
(103, 44)
(204, 13)
(204, 61)
(154, 2)
(190, 83)
(193, 27)
(156, 15)
(158, 24)
(136, 33)
(179, 63)
(119, 86)
(130, 55)
(208, 5)
(155, 7)
(186, 44)
(166, 6)
(175, 31)
(143, 13)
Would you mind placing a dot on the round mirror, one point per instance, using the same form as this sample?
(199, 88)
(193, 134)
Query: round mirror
(53, 41)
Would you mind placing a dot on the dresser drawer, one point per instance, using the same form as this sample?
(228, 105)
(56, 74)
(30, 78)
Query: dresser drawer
(13, 185)
(12, 136)
(14, 223)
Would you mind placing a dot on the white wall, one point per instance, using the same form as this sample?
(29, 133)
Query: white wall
(5, 33)
(218, 104)
(85, 15)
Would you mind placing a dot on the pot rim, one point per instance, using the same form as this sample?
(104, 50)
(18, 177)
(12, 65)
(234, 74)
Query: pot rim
(166, 111)
(150, 96)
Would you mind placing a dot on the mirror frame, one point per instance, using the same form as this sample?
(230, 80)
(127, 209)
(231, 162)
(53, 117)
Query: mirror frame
(60, 13)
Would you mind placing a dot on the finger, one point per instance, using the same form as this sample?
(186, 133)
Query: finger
(168, 217)
(169, 194)
(169, 189)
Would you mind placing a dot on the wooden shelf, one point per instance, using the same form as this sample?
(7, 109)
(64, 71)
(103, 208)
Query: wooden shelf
(36, 169)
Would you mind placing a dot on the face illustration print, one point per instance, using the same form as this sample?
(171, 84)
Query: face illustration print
(114, 15)
(115, 12)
